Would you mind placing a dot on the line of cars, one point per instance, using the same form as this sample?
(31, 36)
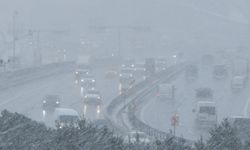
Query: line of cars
(51, 106)
(92, 99)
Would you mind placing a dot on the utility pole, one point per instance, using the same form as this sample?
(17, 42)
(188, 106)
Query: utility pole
(14, 33)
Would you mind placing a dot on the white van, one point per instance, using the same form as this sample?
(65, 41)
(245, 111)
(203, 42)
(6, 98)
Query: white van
(66, 117)
(165, 91)
(206, 114)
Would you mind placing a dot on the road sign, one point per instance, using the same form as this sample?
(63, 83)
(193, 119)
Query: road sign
(175, 120)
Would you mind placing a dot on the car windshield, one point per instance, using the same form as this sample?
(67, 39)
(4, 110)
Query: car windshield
(127, 71)
(93, 92)
(207, 110)
(68, 119)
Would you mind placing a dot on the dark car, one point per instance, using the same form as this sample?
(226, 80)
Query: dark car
(51, 102)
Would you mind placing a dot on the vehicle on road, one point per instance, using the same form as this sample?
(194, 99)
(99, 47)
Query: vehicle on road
(66, 117)
(80, 73)
(128, 63)
(140, 73)
(50, 103)
(204, 94)
(206, 116)
(165, 91)
(92, 106)
(160, 64)
(220, 71)
(238, 83)
(88, 82)
(126, 81)
(137, 136)
(127, 71)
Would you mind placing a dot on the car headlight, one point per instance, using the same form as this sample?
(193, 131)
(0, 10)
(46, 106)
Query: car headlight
(131, 75)
(82, 80)
(44, 101)
(120, 75)
(133, 65)
(76, 72)
(86, 96)
(93, 80)
(99, 97)
(57, 102)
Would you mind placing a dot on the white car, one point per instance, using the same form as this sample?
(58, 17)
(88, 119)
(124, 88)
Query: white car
(66, 117)
(137, 136)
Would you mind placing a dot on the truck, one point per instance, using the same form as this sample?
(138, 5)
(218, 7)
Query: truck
(165, 91)
(126, 82)
(82, 69)
(206, 116)
(239, 74)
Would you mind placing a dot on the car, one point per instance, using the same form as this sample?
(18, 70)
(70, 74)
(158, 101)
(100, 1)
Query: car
(220, 71)
(93, 92)
(127, 71)
(88, 82)
(80, 73)
(137, 136)
(92, 106)
(50, 102)
(66, 117)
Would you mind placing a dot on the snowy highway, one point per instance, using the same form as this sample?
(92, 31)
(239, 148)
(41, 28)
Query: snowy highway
(158, 113)
(27, 98)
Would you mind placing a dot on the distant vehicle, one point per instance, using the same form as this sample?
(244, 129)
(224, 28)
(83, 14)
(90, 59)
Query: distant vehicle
(191, 72)
(80, 73)
(220, 71)
(240, 68)
(204, 94)
(93, 92)
(137, 136)
(127, 71)
(92, 106)
(111, 74)
(242, 125)
(128, 63)
(88, 82)
(66, 117)
(126, 82)
(140, 72)
(238, 83)
(51, 102)
(165, 91)
(160, 64)
(206, 114)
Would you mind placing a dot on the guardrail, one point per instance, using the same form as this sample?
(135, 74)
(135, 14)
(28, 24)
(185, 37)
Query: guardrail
(143, 89)
(14, 78)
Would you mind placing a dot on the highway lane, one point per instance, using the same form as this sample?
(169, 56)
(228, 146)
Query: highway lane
(27, 98)
(158, 113)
